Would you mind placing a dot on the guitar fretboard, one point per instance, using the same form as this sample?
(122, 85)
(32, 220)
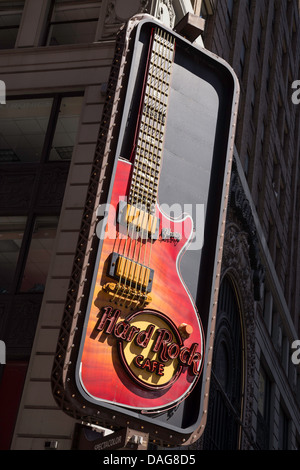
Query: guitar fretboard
(149, 147)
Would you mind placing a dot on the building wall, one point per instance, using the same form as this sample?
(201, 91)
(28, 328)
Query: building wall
(261, 41)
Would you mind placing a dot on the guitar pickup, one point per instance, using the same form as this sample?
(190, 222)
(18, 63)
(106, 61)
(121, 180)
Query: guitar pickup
(129, 272)
(138, 221)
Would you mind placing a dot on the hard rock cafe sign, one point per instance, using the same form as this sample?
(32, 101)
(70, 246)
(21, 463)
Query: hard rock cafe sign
(151, 347)
(136, 343)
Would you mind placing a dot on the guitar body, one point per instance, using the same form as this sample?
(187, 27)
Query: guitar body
(134, 355)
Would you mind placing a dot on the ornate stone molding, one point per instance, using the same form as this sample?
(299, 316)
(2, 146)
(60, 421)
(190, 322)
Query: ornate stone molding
(119, 11)
(236, 263)
(241, 206)
(165, 12)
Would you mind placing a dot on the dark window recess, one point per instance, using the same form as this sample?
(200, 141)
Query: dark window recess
(12, 377)
(10, 18)
(283, 430)
(37, 137)
(11, 236)
(39, 254)
(263, 410)
(66, 128)
(223, 428)
(72, 23)
(38, 129)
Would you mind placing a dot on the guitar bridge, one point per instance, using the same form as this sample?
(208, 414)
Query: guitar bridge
(125, 295)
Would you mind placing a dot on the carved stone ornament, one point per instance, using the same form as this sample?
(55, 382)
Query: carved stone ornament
(164, 11)
(242, 208)
(119, 11)
(236, 263)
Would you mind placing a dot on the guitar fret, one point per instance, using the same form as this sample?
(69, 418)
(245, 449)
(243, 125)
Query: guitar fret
(147, 162)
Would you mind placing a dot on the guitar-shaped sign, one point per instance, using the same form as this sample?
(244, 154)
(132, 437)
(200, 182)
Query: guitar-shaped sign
(143, 342)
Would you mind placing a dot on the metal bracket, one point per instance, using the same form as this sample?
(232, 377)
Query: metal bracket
(190, 26)
(89, 438)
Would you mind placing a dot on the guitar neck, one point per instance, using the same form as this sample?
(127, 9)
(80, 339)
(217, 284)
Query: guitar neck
(149, 146)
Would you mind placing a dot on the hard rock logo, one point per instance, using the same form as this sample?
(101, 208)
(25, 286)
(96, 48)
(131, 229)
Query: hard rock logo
(151, 347)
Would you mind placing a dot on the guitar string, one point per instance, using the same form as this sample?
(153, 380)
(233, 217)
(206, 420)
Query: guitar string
(155, 126)
(155, 152)
(119, 285)
(166, 72)
(140, 181)
(161, 46)
(156, 82)
(152, 131)
(133, 199)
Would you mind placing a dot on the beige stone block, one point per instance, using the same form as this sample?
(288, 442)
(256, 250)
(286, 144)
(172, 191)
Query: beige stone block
(92, 113)
(51, 314)
(75, 196)
(80, 174)
(93, 94)
(42, 367)
(84, 153)
(88, 133)
(71, 219)
(47, 341)
(39, 394)
(62, 266)
(56, 290)
(41, 422)
(67, 242)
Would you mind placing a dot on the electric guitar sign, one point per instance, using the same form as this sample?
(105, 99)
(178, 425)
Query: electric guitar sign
(140, 315)
(150, 351)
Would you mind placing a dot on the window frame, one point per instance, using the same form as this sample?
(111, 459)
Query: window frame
(12, 27)
(51, 126)
(37, 168)
(60, 7)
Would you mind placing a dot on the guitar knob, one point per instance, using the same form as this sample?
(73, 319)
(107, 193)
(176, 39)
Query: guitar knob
(185, 330)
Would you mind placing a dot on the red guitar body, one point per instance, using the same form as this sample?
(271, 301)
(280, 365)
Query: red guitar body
(158, 368)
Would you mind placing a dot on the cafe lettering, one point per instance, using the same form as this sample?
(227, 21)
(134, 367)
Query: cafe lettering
(159, 348)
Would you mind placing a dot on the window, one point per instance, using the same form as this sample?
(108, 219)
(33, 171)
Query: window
(39, 254)
(247, 161)
(242, 58)
(259, 37)
(223, 429)
(11, 236)
(253, 99)
(229, 11)
(40, 131)
(283, 430)
(66, 128)
(23, 126)
(16, 235)
(263, 410)
(73, 23)
(10, 18)
(36, 129)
